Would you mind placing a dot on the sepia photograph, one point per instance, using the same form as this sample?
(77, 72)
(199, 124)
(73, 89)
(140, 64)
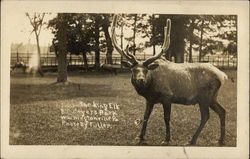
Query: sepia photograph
(122, 79)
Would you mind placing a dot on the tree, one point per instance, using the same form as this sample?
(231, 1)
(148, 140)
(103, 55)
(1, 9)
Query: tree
(177, 46)
(86, 35)
(62, 48)
(79, 34)
(134, 45)
(105, 26)
(152, 27)
(228, 31)
(210, 33)
(153, 33)
(201, 39)
(97, 21)
(178, 35)
(36, 22)
(191, 39)
(199, 30)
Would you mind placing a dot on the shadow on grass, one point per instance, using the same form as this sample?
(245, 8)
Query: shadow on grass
(27, 93)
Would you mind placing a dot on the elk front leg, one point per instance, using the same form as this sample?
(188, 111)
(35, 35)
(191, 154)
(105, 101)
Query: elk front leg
(167, 112)
(149, 108)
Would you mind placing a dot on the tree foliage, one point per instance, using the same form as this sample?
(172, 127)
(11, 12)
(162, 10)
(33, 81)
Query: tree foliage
(205, 34)
(219, 34)
(86, 33)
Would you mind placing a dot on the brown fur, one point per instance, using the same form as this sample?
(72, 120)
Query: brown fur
(182, 84)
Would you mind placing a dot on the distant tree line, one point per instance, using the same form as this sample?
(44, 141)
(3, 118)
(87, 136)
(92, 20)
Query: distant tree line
(82, 34)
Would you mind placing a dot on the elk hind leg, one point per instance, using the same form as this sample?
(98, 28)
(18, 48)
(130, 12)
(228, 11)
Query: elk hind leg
(218, 109)
(167, 112)
(204, 109)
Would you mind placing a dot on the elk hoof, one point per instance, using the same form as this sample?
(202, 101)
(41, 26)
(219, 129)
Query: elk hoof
(221, 143)
(140, 141)
(138, 138)
(191, 143)
(165, 143)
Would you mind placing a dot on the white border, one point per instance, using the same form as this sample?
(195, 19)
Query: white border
(239, 8)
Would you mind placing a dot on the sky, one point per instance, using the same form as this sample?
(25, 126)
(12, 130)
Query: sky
(22, 28)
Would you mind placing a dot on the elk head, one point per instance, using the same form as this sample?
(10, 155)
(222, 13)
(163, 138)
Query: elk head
(140, 68)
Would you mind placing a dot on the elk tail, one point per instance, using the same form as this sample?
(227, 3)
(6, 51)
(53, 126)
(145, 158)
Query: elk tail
(222, 76)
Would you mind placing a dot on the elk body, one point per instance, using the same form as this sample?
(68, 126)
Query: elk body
(161, 81)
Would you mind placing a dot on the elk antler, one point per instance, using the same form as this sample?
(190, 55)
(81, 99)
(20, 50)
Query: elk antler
(127, 55)
(165, 45)
(130, 55)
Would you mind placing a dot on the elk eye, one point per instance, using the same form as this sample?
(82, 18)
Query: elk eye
(137, 70)
(134, 70)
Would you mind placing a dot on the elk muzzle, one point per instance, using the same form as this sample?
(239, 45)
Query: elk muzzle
(141, 81)
(140, 78)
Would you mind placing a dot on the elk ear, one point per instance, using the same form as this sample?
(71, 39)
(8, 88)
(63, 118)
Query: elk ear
(126, 64)
(153, 66)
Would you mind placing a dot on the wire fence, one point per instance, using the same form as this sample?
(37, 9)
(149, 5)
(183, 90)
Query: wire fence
(50, 60)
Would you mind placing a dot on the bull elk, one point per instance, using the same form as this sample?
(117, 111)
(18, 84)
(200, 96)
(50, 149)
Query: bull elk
(165, 82)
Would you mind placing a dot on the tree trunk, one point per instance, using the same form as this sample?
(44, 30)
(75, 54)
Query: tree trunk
(190, 52)
(97, 49)
(191, 41)
(121, 44)
(85, 61)
(200, 50)
(40, 71)
(134, 34)
(55, 49)
(177, 43)
(62, 67)
(62, 51)
(110, 48)
(179, 50)
(168, 55)
(153, 33)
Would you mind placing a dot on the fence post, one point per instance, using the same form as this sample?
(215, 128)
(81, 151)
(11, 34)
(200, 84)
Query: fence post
(17, 57)
(218, 61)
(92, 57)
(223, 63)
(121, 62)
(70, 58)
(27, 57)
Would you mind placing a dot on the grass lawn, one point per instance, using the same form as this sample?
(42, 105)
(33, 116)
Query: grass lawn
(36, 104)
